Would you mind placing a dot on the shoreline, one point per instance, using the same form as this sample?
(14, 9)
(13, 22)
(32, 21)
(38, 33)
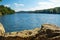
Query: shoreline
(46, 32)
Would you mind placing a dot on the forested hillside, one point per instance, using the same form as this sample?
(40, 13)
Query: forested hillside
(5, 10)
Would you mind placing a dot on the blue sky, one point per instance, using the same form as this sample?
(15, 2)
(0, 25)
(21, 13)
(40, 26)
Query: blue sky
(26, 5)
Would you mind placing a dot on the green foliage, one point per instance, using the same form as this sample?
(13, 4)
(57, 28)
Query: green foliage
(5, 10)
(0, 0)
(52, 10)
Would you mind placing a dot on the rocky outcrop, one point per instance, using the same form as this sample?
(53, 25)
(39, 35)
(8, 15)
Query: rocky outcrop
(50, 26)
(23, 34)
(0, 13)
(50, 30)
(46, 32)
(2, 30)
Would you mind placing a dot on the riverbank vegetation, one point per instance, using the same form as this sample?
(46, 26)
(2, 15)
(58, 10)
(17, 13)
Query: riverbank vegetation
(5, 10)
(51, 10)
(55, 10)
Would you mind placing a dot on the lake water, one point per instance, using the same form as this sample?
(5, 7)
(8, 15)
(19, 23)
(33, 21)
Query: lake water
(26, 21)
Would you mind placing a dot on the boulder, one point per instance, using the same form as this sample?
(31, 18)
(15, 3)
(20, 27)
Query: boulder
(0, 13)
(24, 34)
(49, 26)
(51, 30)
(2, 30)
(46, 32)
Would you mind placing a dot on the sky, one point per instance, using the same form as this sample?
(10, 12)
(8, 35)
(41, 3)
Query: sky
(30, 5)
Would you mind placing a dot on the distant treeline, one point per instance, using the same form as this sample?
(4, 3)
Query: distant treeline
(5, 10)
(51, 10)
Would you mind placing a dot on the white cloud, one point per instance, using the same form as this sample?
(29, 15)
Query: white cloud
(55, 1)
(18, 9)
(7, 5)
(18, 5)
(40, 5)
(46, 5)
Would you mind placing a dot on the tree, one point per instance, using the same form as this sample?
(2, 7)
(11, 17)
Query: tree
(0, 0)
(6, 10)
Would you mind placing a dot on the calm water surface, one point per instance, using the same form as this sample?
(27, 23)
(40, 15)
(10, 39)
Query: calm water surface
(26, 21)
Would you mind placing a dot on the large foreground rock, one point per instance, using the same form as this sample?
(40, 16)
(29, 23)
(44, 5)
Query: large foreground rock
(2, 30)
(49, 26)
(23, 34)
(46, 32)
(51, 30)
